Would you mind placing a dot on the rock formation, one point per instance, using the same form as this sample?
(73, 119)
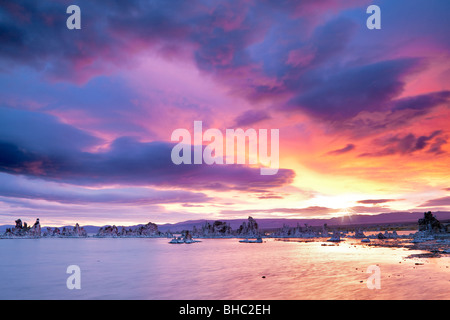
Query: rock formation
(36, 229)
(430, 224)
(148, 230)
(336, 237)
(324, 230)
(79, 231)
(359, 234)
(249, 229)
(108, 231)
(18, 224)
(381, 236)
(22, 230)
(216, 229)
(68, 232)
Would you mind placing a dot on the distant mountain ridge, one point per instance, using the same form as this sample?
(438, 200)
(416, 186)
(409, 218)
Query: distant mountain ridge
(271, 223)
(274, 223)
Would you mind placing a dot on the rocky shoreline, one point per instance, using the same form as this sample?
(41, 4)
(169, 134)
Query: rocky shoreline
(432, 236)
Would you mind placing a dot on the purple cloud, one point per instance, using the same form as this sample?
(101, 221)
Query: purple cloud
(14, 186)
(444, 201)
(423, 101)
(399, 113)
(407, 144)
(132, 163)
(37, 145)
(347, 148)
(251, 117)
(40, 132)
(344, 94)
(376, 201)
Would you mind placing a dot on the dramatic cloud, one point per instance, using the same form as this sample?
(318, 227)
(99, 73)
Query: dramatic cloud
(40, 132)
(251, 117)
(399, 113)
(51, 150)
(408, 144)
(376, 201)
(343, 95)
(20, 187)
(423, 102)
(444, 201)
(129, 162)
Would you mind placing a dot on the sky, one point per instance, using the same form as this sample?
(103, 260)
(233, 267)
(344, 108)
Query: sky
(86, 116)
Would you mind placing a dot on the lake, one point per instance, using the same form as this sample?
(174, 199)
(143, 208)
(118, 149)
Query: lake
(139, 268)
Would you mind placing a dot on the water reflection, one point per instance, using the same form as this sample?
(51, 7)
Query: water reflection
(215, 269)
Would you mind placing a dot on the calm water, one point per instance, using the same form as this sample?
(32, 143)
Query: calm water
(214, 269)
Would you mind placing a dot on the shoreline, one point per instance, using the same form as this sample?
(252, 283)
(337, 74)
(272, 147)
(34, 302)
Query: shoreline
(432, 236)
(435, 248)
